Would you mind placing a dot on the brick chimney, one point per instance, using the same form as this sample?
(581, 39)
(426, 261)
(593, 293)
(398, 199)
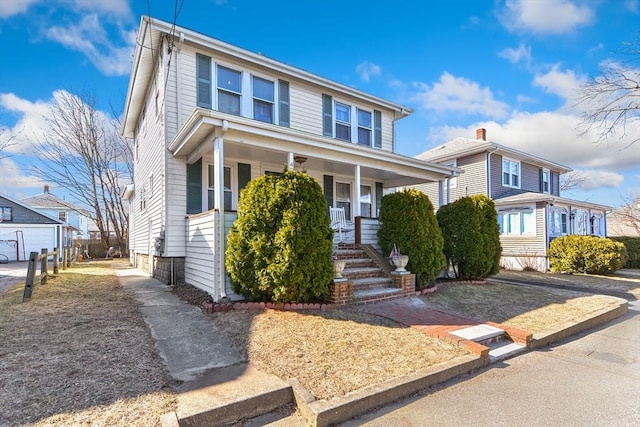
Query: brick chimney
(481, 134)
(46, 189)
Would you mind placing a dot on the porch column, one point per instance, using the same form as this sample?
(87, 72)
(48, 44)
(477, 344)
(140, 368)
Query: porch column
(290, 164)
(218, 204)
(356, 202)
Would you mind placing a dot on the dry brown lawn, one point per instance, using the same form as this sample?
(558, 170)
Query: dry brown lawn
(529, 308)
(79, 353)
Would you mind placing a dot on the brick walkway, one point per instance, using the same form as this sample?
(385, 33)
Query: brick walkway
(414, 313)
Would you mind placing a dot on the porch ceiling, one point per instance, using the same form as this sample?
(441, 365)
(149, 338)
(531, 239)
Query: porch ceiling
(255, 141)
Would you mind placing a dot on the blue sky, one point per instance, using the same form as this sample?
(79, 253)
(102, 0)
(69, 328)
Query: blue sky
(511, 66)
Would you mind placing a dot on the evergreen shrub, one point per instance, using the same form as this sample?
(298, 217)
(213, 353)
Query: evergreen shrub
(471, 236)
(280, 246)
(632, 245)
(586, 254)
(407, 221)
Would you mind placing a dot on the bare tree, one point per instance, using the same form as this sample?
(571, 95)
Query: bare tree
(611, 101)
(571, 180)
(625, 221)
(85, 155)
(5, 143)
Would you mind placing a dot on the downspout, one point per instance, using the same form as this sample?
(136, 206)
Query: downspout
(489, 189)
(218, 160)
(178, 115)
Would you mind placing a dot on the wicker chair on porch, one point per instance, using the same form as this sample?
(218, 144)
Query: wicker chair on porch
(339, 222)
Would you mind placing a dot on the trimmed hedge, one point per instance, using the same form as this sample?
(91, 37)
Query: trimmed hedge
(280, 247)
(586, 254)
(407, 221)
(471, 236)
(632, 244)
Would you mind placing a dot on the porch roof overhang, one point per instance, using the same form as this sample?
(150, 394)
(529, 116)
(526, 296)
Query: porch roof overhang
(253, 140)
(530, 197)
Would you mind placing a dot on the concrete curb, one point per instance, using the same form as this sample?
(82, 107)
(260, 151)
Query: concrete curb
(544, 338)
(321, 413)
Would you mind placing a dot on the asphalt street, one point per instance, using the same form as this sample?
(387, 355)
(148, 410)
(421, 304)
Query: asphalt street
(591, 379)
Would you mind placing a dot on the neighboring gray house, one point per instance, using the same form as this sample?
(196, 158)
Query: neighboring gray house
(23, 230)
(526, 192)
(76, 217)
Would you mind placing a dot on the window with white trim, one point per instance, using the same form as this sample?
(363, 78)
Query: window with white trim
(558, 222)
(229, 83)
(546, 181)
(510, 173)
(343, 198)
(596, 225)
(6, 213)
(517, 222)
(263, 99)
(228, 194)
(366, 201)
(364, 127)
(581, 225)
(62, 216)
(343, 121)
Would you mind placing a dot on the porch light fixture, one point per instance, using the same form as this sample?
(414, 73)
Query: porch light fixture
(300, 160)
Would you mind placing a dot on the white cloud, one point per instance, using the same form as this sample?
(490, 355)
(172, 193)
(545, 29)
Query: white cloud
(367, 69)
(15, 7)
(520, 55)
(460, 95)
(545, 16)
(564, 84)
(15, 178)
(30, 126)
(590, 179)
(90, 38)
(112, 7)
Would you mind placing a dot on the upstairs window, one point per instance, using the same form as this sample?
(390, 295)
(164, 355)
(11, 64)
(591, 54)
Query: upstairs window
(229, 90)
(6, 213)
(263, 100)
(343, 122)
(62, 216)
(364, 127)
(546, 181)
(510, 173)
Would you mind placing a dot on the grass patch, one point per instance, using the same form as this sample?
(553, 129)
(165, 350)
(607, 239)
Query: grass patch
(79, 353)
(528, 308)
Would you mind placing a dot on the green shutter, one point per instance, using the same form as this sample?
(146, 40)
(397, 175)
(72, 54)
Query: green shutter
(327, 185)
(283, 103)
(377, 129)
(203, 77)
(194, 187)
(327, 115)
(244, 176)
(379, 192)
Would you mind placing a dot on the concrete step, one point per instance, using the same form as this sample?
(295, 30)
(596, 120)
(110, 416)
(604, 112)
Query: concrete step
(350, 253)
(371, 283)
(375, 294)
(363, 272)
(482, 334)
(503, 349)
(359, 262)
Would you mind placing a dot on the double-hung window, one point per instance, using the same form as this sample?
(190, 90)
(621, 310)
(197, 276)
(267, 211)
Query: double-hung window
(343, 198)
(546, 181)
(227, 188)
(365, 201)
(510, 173)
(343, 121)
(517, 222)
(62, 216)
(364, 127)
(6, 213)
(229, 90)
(263, 99)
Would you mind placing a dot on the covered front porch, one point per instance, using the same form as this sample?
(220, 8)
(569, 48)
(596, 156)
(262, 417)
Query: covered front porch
(223, 151)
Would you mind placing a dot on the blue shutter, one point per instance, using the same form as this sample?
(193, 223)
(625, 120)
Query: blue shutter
(203, 77)
(283, 103)
(194, 187)
(377, 129)
(327, 115)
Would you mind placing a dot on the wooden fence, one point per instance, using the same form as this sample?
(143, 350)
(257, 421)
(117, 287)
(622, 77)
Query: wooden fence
(69, 256)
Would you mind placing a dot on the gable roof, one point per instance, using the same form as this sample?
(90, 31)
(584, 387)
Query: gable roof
(49, 201)
(150, 34)
(32, 209)
(461, 147)
(520, 196)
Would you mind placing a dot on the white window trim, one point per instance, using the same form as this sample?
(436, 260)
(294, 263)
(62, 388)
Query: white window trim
(507, 159)
(243, 85)
(205, 184)
(274, 103)
(503, 215)
(357, 126)
(336, 121)
(548, 182)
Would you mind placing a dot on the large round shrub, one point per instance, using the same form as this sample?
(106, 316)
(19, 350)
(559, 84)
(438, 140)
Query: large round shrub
(586, 254)
(632, 245)
(407, 221)
(471, 236)
(280, 246)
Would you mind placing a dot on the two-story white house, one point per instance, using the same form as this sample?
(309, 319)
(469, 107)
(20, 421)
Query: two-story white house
(526, 191)
(207, 117)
